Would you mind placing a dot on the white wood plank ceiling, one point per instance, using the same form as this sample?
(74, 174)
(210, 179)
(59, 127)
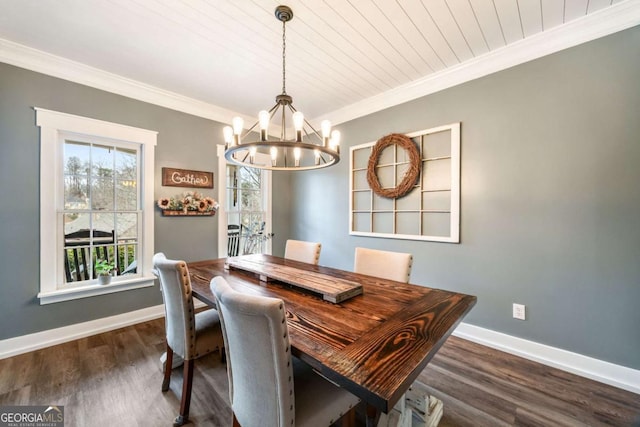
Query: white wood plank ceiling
(228, 53)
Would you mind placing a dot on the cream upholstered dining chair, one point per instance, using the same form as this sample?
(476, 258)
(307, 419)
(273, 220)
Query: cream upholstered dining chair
(383, 264)
(189, 335)
(267, 386)
(299, 250)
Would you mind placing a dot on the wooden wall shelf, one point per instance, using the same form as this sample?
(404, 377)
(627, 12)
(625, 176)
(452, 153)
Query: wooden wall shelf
(166, 212)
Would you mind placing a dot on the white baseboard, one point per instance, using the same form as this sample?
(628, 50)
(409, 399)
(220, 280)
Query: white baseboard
(26, 343)
(588, 367)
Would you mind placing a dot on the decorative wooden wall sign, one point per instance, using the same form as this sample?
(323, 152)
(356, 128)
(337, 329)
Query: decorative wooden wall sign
(186, 178)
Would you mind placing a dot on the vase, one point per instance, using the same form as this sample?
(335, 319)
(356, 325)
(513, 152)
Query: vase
(104, 279)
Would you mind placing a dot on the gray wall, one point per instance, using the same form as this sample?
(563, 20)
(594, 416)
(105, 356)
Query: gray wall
(184, 141)
(550, 198)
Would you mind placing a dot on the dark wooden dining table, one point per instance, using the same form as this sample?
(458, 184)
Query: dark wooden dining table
(374, 345)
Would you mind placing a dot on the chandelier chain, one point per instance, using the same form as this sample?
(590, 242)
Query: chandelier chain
(284, 48)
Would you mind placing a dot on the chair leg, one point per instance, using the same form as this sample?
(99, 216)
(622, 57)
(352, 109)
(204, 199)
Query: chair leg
(223, 355)
(185, 402)
(167, 369)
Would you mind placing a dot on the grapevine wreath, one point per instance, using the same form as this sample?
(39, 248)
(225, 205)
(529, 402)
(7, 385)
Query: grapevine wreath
(410, 176)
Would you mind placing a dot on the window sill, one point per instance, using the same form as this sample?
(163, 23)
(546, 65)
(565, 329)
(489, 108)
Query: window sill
(95, 289)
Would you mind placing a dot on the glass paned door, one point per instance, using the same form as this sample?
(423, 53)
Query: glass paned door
(246, 208)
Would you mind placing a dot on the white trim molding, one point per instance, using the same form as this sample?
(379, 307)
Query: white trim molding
(32, 342)
(26, 343)
(57, 66)
(54, 127)
(584, 366)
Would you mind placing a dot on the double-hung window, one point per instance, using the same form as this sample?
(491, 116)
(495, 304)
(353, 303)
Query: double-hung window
(96, 202)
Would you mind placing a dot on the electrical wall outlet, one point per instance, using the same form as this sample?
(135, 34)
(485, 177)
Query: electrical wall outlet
(519, 311)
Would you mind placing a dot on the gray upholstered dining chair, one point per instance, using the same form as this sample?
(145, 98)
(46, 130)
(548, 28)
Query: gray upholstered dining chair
(299, 250)
(267, 386)
(383, 264)
(189, 335)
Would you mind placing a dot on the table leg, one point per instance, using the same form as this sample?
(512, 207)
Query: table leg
(372, 415)
(416, 407)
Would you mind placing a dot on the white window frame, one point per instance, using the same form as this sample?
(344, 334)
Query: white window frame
(454, 188)
(222, 200)
(53, 127)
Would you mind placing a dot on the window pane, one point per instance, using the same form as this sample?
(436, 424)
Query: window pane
(126, 195)
(383, 223)
(127, 256)
(361, 158)
(382, 203)
(251, 200)
(437, 145)
(409, 202)
(102, 194)
(102, 177)
(103, 222)
(76, 169)
(126, 226)
(362, 200)
(436, 224)
(436, 200)
(360, 180)
(126, 164)
(436, 175)
(251, 178)
(362, 222)
(74, 223)
(126, 179)
(102, 160)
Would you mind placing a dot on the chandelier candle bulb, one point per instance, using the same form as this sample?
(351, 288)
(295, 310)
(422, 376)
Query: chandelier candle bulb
(252, 154)
(296, 156)
(298, 124)
(274, 155)
(228, 135)
(264, 117)
(325, 126)
(316, 152)
(335, 141)
(238, 124)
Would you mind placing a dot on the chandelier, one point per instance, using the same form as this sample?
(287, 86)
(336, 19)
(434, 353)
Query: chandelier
(303, 148)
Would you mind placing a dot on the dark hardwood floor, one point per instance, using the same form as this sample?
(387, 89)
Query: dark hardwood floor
(114, 379)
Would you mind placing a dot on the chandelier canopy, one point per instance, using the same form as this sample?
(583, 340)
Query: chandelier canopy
(302, 148)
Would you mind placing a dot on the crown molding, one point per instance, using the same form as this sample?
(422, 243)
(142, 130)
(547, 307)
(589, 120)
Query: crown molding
(56, 66)
(618, 17)
(621, 16)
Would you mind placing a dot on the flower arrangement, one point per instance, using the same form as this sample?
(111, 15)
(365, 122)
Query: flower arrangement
(190, 201)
